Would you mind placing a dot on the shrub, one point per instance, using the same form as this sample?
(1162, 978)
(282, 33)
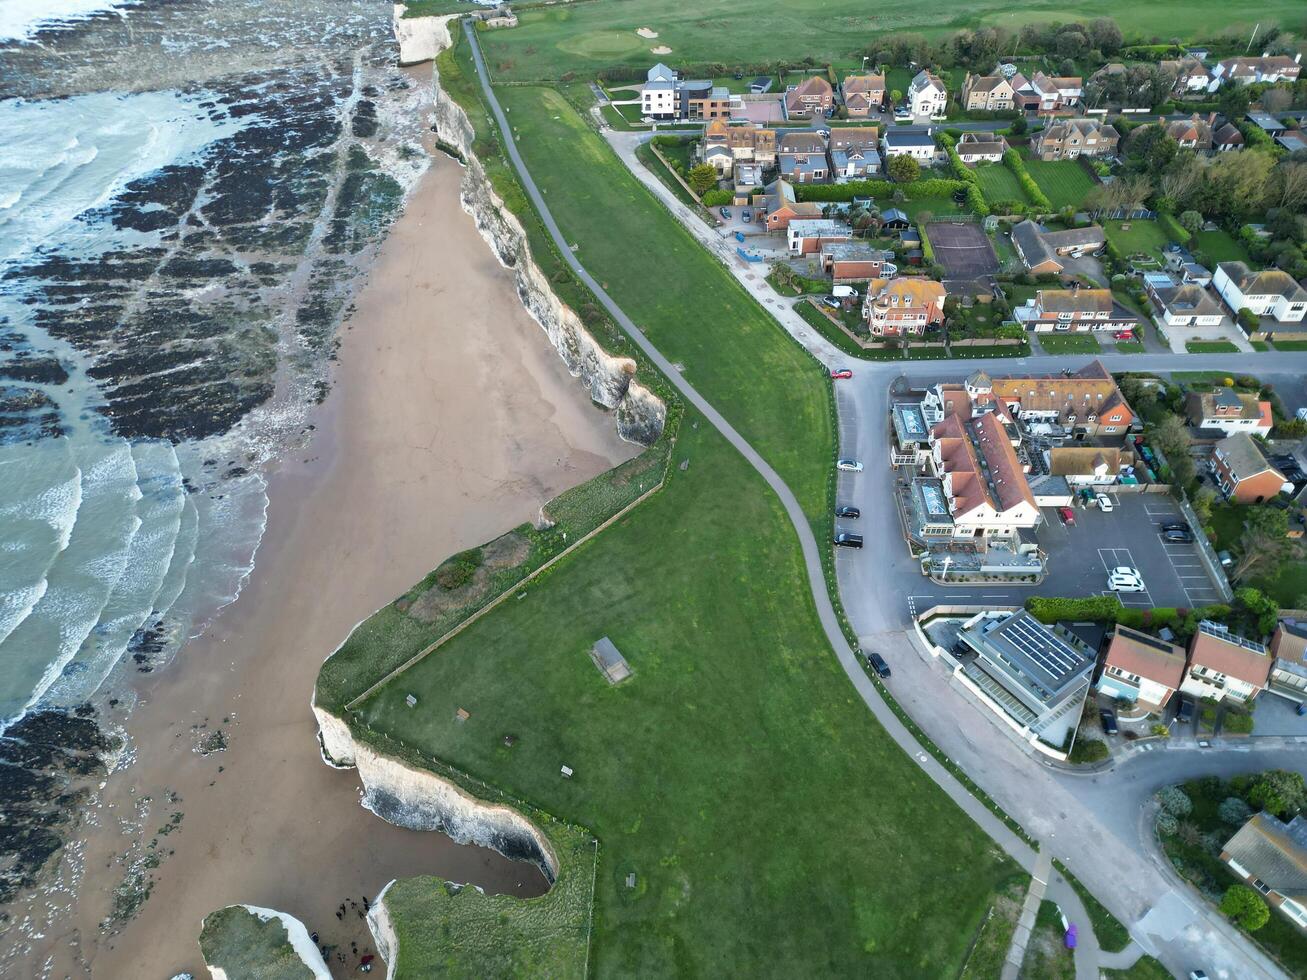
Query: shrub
(1240, 723)
(1234, 811)
(1166, 824)
(1161, 731)
(702, 178)
(1278, 791)
(715, 198)
(458, 570)
(1014, 163)
(1174, 801)
(1245, 907)
(1086, 750)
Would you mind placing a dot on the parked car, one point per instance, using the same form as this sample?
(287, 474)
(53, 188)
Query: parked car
(746, 215)
(1225, 558)
(902, 112)
(1108, 717)
(850, 512)
(877, 663)
(832, 301)
(841, 374)
(848, 465)
(1104, 502)
(1184, 713)
(1124, 335)
(1068, 516)
(824, 133)
(725, 213)
(847, 539)
(1124, 579)
(1177, 536)
(1175, 526)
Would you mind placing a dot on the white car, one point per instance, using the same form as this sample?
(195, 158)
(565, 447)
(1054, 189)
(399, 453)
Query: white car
(1104, 502)
(1125, 579)
(848, 465)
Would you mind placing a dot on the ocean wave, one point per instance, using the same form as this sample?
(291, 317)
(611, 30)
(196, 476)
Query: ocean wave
(21, 20)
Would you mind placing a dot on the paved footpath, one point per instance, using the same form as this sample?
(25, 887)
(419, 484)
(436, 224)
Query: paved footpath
(1018, 849)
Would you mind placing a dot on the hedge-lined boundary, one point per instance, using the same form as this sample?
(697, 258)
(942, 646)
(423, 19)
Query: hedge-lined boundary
(931, 187)
(1012, 159)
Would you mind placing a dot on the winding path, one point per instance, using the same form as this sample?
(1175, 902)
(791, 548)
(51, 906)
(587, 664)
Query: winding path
(1088, 958)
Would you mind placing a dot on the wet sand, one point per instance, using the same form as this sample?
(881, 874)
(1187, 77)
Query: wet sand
(452, 419)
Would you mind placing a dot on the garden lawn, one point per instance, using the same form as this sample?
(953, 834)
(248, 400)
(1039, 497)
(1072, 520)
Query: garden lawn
(1131, 237)
(733, 351)
(772, 826)
(1064, 182)
(1211, 347)
(743, 34)
(1290, 344)
(1218, 246)
(1070, 343)
(1129, 347)
(998, 183)
(645, 154)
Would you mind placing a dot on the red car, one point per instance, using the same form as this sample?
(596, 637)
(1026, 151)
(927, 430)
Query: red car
(1068, 516)
(842, 373)
(1124, 335)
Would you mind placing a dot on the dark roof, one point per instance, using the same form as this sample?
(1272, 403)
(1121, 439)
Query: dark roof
(905, 136)
(1273, 851)
(1038, 658)
(1030, 243)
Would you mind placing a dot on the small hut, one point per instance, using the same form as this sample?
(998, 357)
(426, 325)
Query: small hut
(610, 661)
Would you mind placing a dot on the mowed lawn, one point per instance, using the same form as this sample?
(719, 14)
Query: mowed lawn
(998, 183)
(1064, 182)
(1137, 237)
(1219, 246)
(732, 350)
(583, 38)
(772, 826)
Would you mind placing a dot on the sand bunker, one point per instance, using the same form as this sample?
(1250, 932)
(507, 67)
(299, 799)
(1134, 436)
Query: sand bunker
(647, 33)
(661, 49)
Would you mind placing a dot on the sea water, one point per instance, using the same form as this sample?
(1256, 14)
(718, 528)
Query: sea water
(177, 245)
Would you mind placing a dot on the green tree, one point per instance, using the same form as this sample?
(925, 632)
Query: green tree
(904, 169)
(1262, 611)
(1263, 544)
(1245, 908)
(1190, 221)
(702, 178)
(1172, 438)
(1175, 801)
(896, 96)
(1247, 319)
(1278, 791)
(1018, 125)
(1234, 811)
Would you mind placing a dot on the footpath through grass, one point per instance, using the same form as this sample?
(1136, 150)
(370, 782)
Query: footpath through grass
(732, 350)
(772, 826)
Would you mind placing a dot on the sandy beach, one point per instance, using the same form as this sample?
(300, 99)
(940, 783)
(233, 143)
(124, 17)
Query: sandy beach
(451, 420)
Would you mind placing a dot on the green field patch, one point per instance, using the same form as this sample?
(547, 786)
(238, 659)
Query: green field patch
(1137, 238)
(1129, 347)
(1219, 246)
(1069, 343)
(1290, 344)
(1064, 182)
(603, 45)
(998, 183)
(1211, 347)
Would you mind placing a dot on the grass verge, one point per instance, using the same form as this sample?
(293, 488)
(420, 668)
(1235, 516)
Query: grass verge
(1074, 343)
(1211, 347)
(1111, 934)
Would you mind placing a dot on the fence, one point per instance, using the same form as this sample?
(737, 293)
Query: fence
(1206, 553)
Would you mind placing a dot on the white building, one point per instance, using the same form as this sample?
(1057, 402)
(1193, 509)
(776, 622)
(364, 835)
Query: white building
(1270, 292)
(658, 97)
(1225, 665)
(927, 96)
(909, 141)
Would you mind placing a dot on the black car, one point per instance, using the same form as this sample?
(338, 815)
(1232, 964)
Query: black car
(1108, 717)
(1176, 536)
(846, 539)
(1177, 526)
(877, 663)
(850, 512)
(1185, 712)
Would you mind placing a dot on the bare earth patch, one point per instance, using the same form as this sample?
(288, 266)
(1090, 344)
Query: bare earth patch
(647, 33)
(504, 552)
(661, 49)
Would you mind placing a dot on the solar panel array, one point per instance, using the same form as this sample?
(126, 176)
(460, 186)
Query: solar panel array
(1223, 633)
(1028, 636)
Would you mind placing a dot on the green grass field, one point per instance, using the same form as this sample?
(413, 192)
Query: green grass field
(1211, 347)
(998, 183)
(691, 307)
(1130, 347)
(1219, 246)
(1064, 182)
(772, 826)
(1135, 237)
(736, 34)
(1290, 344)
(1069, 343)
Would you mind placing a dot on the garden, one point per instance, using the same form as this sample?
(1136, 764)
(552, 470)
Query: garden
(1064, 182)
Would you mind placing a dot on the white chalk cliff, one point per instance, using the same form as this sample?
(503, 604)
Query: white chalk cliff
(297, 935)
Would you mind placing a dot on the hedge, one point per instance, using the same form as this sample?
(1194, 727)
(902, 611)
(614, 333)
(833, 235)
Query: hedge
(927, 249)
(930, 187)
(716, 197)
(1014, 163)
(1173, 228)
(1107, 609)
(964, 173)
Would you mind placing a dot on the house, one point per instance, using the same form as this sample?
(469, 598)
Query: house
(853, 152)
(1141, 668)
(1085, 402)
(1227, 411)
(863, 94)
(981, 147)
(927, 95)
(1227, 137)
(806, 236)
(665, 95)
(1271, 858)
(1088, 466)
(848, 262)
(1076, 310)
(1270, 292)
(658, 95)
(724, 145)
(913, 141)
(903, 306)
(1194, 133)
(748, 178)
(1189, 72)
(812, 97)
(1293, 140)
(1182, 304)
(983, 479)
(988, 93)
(782, 207)
(1037, 676)
(1289, 672)
(1243, 473)
(1225, 665)
(1266, 122)
(1067, 139)
(801, 158)
(1040, 250)
(1247, 71)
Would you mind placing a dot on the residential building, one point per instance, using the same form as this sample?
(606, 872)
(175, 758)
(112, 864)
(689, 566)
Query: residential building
(1227, 137)
(812, 97)
(1271, 857)
(1180, 262)
(1266, 122)
(927, 95)
(658, 96)
(903, 306)
(1084, 403)
(981, 147)
(1225, 665)
(1067, 139)
(1141, 668)
(1194, 133)
(1289, 672)
(1040, 250)
(1243, 473)
(1038, 676)
(801, 158)
(1042, 93)
(1247, 71)
(1230, 412)
(859, 163)
(724, 145)
(863, 94)
(988, 93)
(984, 481)
(748, 180)
(913, 141)
(1267, 293)
(807, 236)
(665, 95)
(782, 207)
(1076, 310)
(1293, 140)
(850, 262)
(1190, 74)
(1182, 304)
(912, 448)
(1088, 466)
